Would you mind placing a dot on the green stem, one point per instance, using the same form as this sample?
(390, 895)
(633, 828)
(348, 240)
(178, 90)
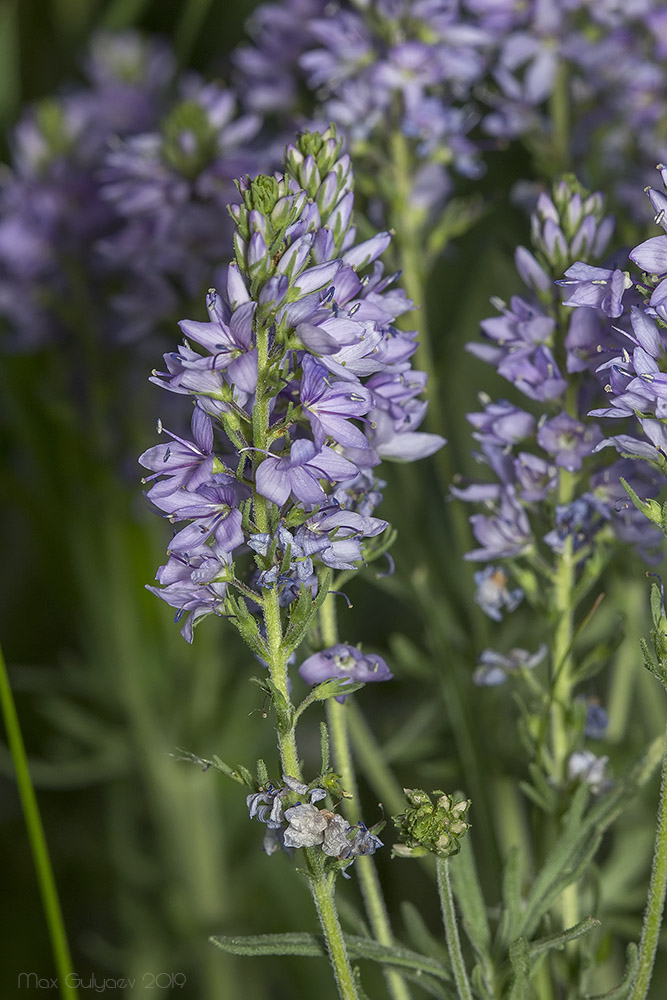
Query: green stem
(562, 660)
(655, 902)
(410, 244)
(337, 716)
(451, 930)
(373, 764)
(188, 28)
(321, 882)
(321, 885)
(559, 108)
(562, 681)
(37, 838)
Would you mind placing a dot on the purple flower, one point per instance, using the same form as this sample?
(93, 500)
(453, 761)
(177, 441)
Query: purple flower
(493, 595)
(651, 256)
(579, 520)
(187, 464)
(494, 668)
(336, 537)
(331, 405)
(596, 722)
(584, 766)
(297, 289)
(503, 534)
(306, 826)
(299, 473)
(347, 662)
(213, 508)
(502, 423)
(568, 440)
(194, 582)
(596, 287)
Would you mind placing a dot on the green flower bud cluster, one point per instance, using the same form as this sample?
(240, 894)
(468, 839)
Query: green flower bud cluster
(189, 139)
(428, 827)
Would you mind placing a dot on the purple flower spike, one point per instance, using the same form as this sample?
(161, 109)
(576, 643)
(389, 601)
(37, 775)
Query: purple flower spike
(493, 595)
(347, 662)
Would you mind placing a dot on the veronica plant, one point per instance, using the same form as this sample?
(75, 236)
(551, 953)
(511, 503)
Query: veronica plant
(552, 516)
(301, 383)
(635, 392)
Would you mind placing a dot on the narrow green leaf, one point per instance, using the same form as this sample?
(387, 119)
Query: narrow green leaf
(622, 991)
(563, 873)
(560, 865)
(312, 946)
(332, 688)
(512, 893)
(238, 773)
(247, 625)
(420, 936)
(301, 617)
(531, 793)
(324, 747)
(296, 943)
(428, 984)
(458, 216)
(122, 13)
(468, 894)
(558, 941)
(10, 77)
(582, 834)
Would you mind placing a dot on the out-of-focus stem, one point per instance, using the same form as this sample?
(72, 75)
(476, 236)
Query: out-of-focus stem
(409, 239)
(337, 716)
(37, 838)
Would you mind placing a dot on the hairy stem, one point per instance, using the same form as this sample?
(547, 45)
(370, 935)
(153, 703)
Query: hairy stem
(337, 719)
(655, 902)
(451, 931)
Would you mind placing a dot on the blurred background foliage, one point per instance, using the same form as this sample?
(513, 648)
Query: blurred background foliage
(151, 854)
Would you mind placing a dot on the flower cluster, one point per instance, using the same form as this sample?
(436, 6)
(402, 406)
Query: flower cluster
(602, 61)
(170, 188)
(118, 190)
(305, 380)
(406, 67)
(51, 200)
(636, 374)
(437, 70)
(291, 823)
(550, 354)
